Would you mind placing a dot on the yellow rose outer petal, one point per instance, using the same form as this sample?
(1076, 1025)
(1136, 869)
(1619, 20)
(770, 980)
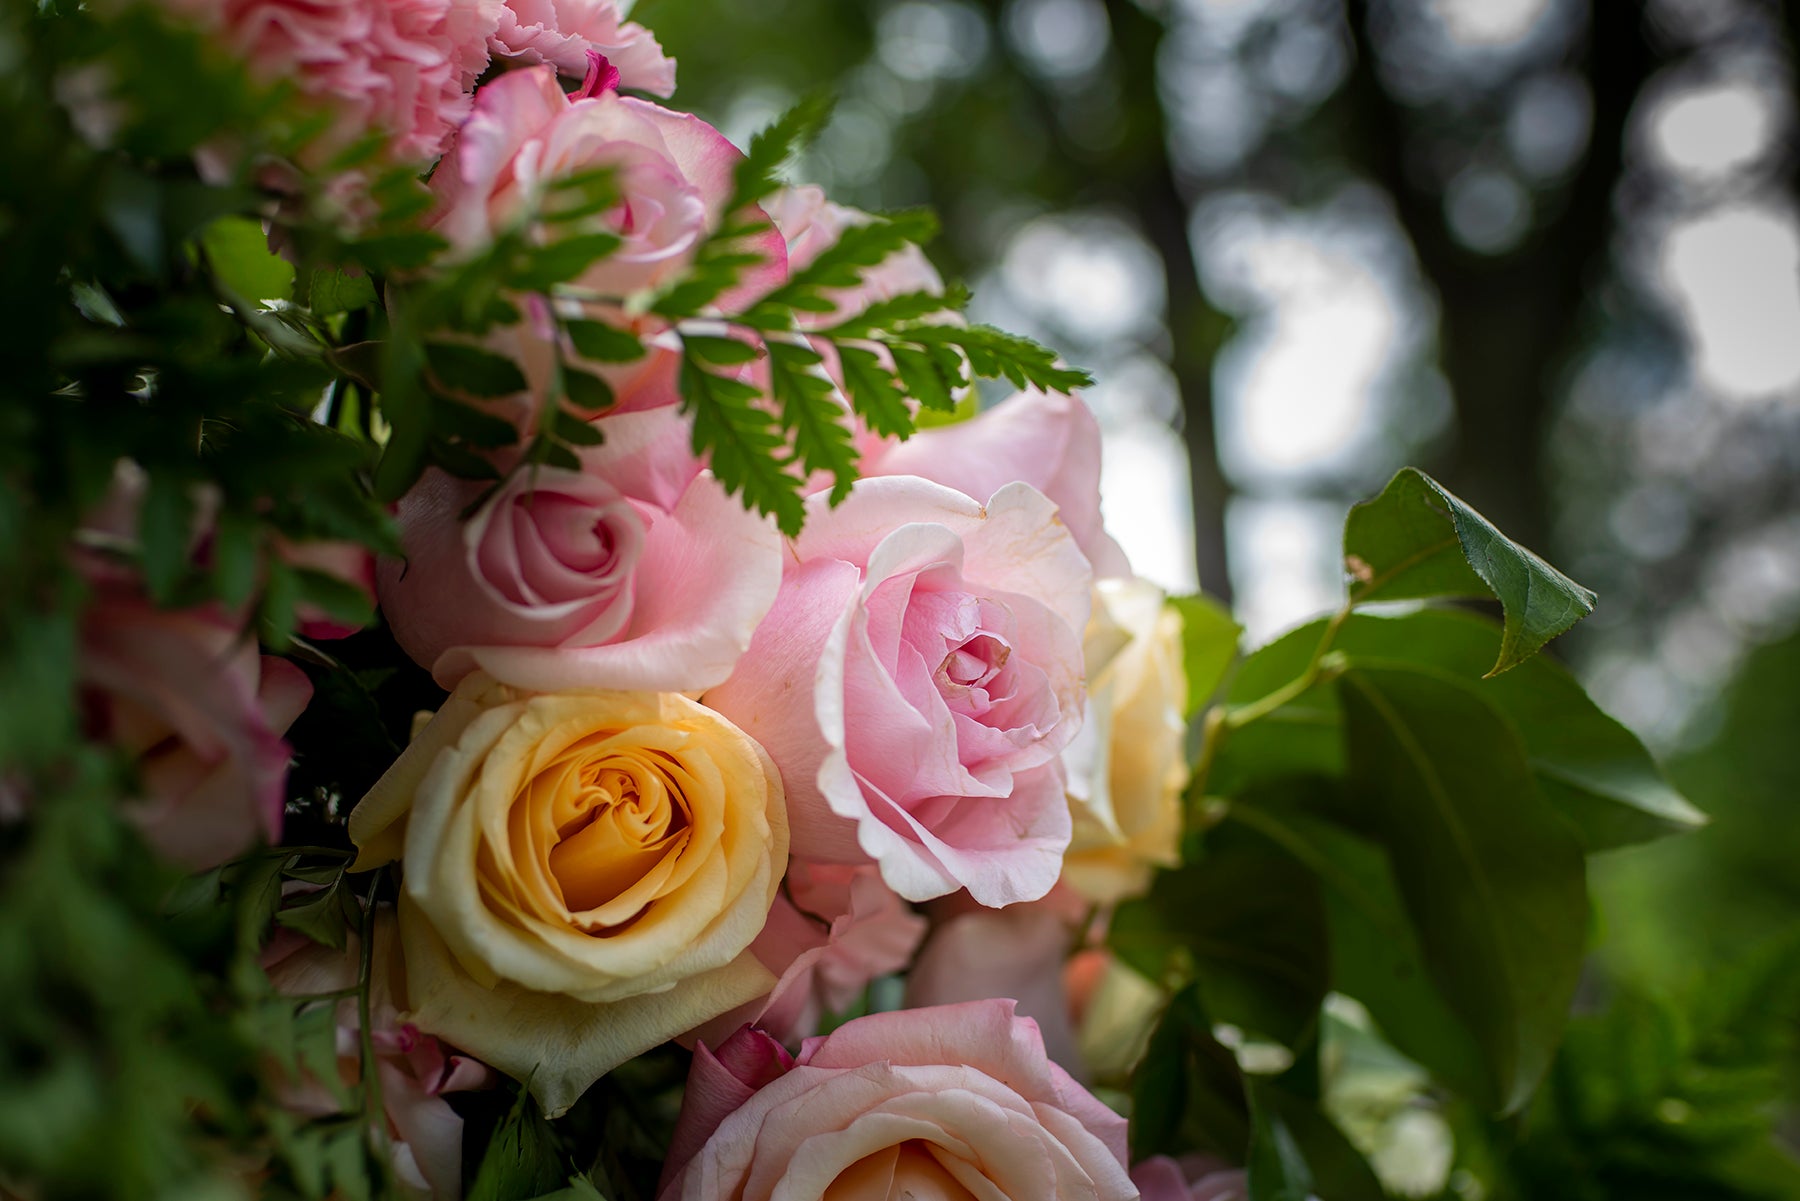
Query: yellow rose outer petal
(573, 854)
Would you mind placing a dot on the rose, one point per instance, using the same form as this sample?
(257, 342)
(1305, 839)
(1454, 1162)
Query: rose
(1128, 767)
(1018, 954)
(187, 696)
(583, 874)
(404, 70)
(425, 1134)
(811, 224)
(916, 681)
(637, 572)
(954, 1102)
(1047, 440)
(1191, 1178)
(562, 32)
(674, 174)
(831, 931)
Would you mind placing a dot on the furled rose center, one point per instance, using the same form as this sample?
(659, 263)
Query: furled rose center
(998, 699)
(660, 214)
(566, 548)
(912, 1169)
(607, 824)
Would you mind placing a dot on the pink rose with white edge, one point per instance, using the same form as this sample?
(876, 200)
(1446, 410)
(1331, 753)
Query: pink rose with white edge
(636, 573)
(956, 1101)
(915, 682)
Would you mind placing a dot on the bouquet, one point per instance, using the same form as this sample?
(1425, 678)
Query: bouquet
(534, 667)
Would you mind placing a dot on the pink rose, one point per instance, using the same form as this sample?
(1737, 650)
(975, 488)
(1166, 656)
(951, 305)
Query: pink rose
(675, 174)
(562, 32)
(636, 573)
(1190, 1178)
(416, 1070)
(186, 693)
(404, 68)
(957, 1101)
(915, 681)
(831, 931)
(1048, 440)
(1018, 953)
(812, 224)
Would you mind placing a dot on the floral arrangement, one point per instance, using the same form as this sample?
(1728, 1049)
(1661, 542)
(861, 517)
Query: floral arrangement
(530, 671)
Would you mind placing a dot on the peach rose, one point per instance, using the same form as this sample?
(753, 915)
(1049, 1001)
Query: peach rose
(957, 1102)
(583, 874)
(1128, 767)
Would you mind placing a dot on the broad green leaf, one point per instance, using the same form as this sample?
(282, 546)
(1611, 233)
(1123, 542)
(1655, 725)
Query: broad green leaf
(1493, 879)
(1593, 770)
(1187, 1093)
(1209, 642)
(339, 292)
(472, 371)
(1417, 541)
(1375, 954)
(1296, 1147)
(238, 251)
(586, 391)
(1277, 1167)
(165, 528)
(1248, 918)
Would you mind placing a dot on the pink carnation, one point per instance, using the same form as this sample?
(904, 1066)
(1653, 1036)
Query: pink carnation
(562, 32)
(948, 1102)
(402, 68)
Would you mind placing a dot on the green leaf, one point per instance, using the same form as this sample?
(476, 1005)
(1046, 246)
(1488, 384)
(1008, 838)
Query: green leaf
(586, 391)
(523, 1159)
(1593, 770)
(472, 371)
(924, 382)
(1277, 1167)
(1493, 880)
(165, 527)
(562, 260)
(1417, 541)
(874, 393)
(238, 251)
(1250, 919)
(1375, 954)
(811, 410)
(721, 352)
(599, 342)
(758, 172)
(575, 431)
(1209, 642)
(743, 442)
(994, 354)
(342, 600)
(1187, 1093)
(339, 292)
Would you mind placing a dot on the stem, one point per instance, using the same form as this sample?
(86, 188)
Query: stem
(1221, 720)
(374, 1111)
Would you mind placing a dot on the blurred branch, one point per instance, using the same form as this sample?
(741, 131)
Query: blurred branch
(1509, 321)
(1146, 183)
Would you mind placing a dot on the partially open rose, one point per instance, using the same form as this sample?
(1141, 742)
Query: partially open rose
(637, 572)
(916, 680)
(583, 874)
(956, 1102)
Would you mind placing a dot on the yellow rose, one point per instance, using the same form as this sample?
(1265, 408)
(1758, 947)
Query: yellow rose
(1128, 766)
(583, 874)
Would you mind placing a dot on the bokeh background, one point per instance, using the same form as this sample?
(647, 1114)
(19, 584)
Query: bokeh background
(1548, 250)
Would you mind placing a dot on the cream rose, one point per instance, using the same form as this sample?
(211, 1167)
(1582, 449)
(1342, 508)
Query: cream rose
(1128, 766)
(583, 874)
